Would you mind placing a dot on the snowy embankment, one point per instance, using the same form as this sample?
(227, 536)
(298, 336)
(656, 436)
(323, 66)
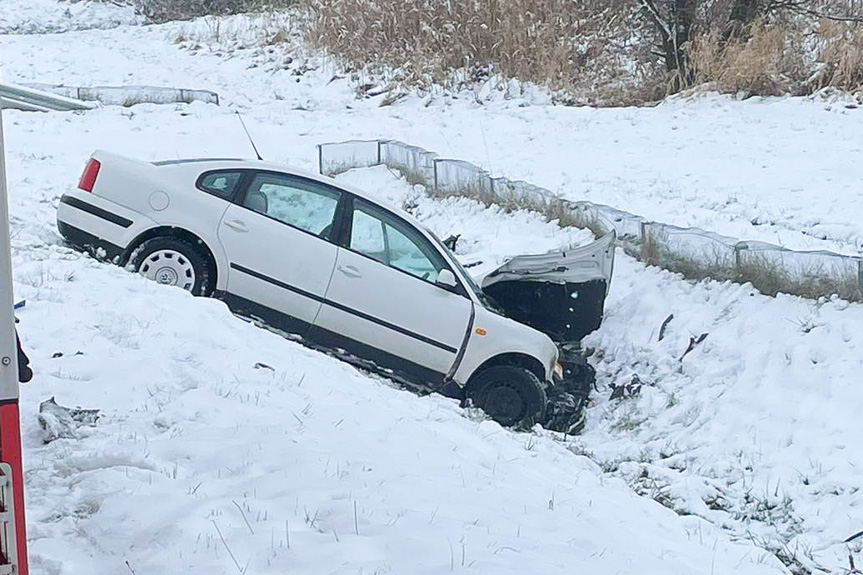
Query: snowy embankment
(223, 447)
(754, 429)
(50, 16)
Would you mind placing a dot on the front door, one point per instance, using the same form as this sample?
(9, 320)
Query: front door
(277, 243)
(383, 303)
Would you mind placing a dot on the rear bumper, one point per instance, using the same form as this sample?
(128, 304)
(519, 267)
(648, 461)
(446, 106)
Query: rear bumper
(98, 225)
(98, 248)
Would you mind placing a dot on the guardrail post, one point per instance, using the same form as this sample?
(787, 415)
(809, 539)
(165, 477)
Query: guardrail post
(860, 276)
(737, 269)
(435, 174)
(645, 243)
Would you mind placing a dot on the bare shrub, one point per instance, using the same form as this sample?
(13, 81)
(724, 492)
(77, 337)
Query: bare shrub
(766, 60)
(839, 58)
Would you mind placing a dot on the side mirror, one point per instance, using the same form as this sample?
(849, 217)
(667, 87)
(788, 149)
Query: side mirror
(446, 279)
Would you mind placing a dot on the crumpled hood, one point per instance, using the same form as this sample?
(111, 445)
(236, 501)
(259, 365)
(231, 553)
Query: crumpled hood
(561, 293)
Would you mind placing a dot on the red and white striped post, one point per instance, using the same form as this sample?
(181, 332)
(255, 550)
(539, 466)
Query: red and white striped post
(13, 534)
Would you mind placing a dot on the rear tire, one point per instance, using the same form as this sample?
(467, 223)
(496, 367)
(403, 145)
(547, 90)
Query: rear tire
(174, 261)
(510, 395)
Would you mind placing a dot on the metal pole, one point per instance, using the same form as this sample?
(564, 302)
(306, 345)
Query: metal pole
(13, 522)
(8, 349)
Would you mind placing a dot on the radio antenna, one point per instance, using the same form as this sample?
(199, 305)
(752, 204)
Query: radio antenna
(248, 135)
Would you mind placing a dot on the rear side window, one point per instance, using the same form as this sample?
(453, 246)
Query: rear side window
(304, 204)
(220, 184)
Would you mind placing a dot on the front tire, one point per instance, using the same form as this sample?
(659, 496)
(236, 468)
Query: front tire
(510, 395)
(173, 261)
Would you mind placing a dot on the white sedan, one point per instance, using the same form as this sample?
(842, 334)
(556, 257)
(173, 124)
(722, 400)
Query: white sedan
(330, 264)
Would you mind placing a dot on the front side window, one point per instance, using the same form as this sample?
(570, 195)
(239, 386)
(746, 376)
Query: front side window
(367, 236)
(392, 242)
(300, 203)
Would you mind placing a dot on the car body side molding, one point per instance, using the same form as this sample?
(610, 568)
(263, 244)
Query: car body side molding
(96, 211)
(344, 308)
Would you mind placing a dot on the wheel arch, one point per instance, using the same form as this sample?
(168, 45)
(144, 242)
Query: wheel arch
(514, 359)
(178, 233)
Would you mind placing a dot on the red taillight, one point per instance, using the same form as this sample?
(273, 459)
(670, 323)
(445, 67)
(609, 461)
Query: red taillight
(88, 178)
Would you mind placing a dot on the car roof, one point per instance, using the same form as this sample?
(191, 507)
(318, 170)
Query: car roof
(198, 166)
(194, 160)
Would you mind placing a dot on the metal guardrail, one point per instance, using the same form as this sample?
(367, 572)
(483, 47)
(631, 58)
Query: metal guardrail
(695, 253)
(460, 178)
(50, 97)
(31, 100)
(129, 95)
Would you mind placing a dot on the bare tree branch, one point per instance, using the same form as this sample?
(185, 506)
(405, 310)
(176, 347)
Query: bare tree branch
(652, 12)
(804, 7)
(816, 14)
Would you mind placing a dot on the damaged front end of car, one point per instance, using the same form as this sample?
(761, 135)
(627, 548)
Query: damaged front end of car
(561, 294)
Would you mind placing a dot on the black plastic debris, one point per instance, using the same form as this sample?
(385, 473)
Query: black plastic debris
(58, 422)
(451, 241)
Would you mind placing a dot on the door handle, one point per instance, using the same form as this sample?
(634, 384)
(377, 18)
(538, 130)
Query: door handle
(236, 225)
(350, 271)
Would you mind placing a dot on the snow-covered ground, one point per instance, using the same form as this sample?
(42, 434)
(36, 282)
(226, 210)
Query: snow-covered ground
(50, 16)
(754, 430)
(222, 446)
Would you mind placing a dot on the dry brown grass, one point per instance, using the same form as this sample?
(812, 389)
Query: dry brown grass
(795, 55)
(839, 58)
(714, 262)
(589, 52)
(767, 60)
(598, 52)
(770, 271)
(169, 10)
(771, 277)
(553, 209)
(557, 43)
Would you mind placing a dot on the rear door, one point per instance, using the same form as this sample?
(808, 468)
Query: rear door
(383, 303)
(276, 238)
